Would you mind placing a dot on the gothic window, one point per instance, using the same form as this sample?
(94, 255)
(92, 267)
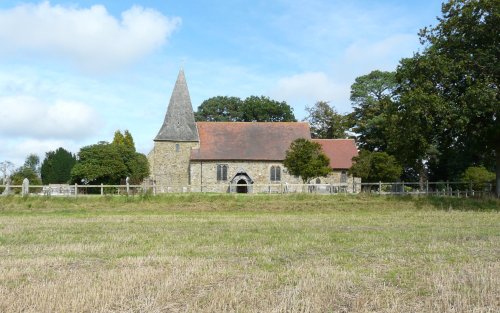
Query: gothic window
(275, 173)
(343, 177)
(221, 172)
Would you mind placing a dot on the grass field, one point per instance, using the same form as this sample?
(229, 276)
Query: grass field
(222, 253)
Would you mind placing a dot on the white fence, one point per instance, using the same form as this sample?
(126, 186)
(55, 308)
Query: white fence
(459, 189)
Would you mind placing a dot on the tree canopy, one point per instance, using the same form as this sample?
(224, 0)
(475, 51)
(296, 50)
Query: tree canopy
(376, 166)
(448, 93)
(110, 163)
(325, 122)
(252, 109)
(56, 167)
(306, 159)
(438, 113)
(372, 96)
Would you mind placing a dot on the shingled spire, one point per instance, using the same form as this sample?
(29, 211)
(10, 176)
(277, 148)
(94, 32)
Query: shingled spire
(179, 124)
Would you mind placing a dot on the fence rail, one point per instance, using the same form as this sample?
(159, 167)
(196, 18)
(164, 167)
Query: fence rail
(458, 189)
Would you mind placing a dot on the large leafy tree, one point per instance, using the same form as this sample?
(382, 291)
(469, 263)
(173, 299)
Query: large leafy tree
(56, 167)
(376, 166)
(449, 101)
(99, 163)
(306, 159)
(326, 122)
(109, 163)
(252, 109)
(263, 109)
(372, 97)
(220, 109)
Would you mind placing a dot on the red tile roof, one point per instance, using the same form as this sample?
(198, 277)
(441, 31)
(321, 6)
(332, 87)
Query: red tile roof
(340, 151)
(247, 141)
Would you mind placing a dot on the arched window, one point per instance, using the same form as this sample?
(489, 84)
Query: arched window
(343, 177)
(221, 172)
(275, 174)
(177, 147)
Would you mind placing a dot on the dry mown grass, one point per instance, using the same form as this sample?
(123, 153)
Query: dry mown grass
(249, 254)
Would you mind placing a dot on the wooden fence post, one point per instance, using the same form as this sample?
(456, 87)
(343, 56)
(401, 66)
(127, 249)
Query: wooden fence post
(102, 189)
(76, 190)
(379, 187)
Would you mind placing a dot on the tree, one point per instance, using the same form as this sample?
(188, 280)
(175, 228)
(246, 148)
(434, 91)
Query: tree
(325, 122)
(449, 97)
(372, 96)
(118, 138)
(56, 167)
(478, 176)
(375, 167)
(220, 109)
(33, 162)
(99, 163)
(128, 140)
(110, 163)
(29, 170)
(252, 109)
(263, 109)
(306, 159)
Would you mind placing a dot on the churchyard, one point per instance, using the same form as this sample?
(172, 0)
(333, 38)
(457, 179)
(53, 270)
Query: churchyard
(249, 253)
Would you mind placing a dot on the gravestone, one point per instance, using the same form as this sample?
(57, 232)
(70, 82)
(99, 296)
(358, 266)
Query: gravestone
(26, 187)
(7, 187)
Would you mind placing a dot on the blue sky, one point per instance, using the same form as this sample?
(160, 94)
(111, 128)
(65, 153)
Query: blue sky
(73, 72)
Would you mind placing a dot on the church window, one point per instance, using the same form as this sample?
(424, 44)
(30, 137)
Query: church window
(343, 177)
(275, 173)
(177, 147)
(221, 172)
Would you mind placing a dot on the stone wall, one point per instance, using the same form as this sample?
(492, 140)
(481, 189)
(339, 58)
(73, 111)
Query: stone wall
(205, 173)
(169, 162)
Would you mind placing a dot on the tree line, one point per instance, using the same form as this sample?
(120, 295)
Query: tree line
(436, 117)
(107, 163)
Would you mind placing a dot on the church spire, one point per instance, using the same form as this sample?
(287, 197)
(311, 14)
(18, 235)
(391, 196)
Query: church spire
(179, 124)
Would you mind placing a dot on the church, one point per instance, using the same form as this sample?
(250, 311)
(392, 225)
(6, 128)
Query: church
(245, 157)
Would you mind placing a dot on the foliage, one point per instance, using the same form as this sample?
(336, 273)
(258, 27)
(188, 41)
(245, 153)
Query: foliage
(56, 167)
(118, 138)
(305, 158)
(220, 109)
(99, 163)
(372, 96)
(376, 166)
(252, 109)
(263, 109)
(110, 163)
(478, 176)
(33, 162)
(128, 140)
(325, 122)
(449, 100)
(29, 170)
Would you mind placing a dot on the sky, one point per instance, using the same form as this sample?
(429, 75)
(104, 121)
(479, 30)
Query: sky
(74, 72)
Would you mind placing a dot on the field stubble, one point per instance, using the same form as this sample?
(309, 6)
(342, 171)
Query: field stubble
(211, 253)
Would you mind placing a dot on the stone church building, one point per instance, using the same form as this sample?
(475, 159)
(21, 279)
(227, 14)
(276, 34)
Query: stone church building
(234, 156)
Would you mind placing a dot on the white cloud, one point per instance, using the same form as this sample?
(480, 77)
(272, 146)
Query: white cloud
(24, 116)
(91, 37)
(16, 151)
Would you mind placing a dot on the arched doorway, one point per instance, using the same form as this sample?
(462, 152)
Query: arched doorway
(242, 186)
(241, 183)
